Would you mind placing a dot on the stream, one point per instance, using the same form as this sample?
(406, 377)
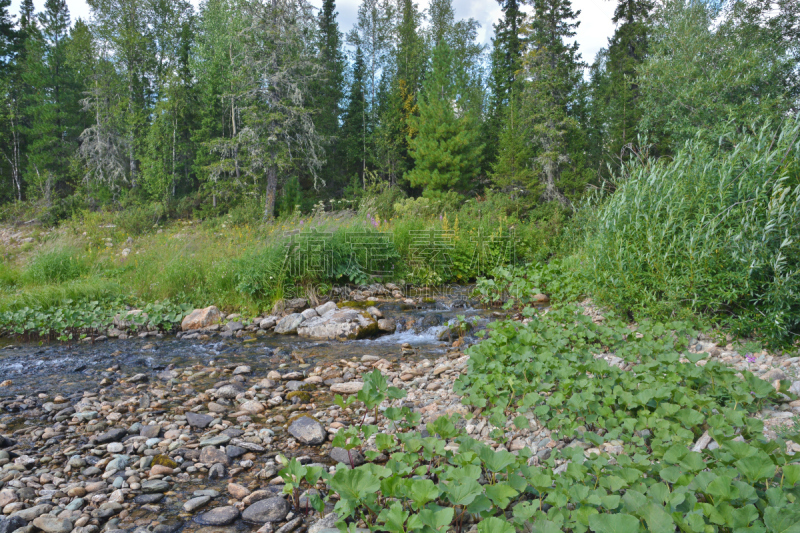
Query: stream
(41, 379)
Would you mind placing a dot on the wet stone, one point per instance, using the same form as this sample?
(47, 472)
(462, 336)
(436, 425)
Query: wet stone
(144, 499)
(221, 516)
(154, 486)
(269, 510)
(196, 503)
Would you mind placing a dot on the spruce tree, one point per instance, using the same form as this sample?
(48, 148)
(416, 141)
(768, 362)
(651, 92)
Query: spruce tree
(507, 45)
(553, 68)
(53, 104)
(329, 93)
(446, 148)
(355, 125)
(627, 50)
(8, 37)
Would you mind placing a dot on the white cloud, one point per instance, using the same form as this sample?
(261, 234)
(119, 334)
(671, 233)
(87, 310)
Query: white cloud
(593, 32)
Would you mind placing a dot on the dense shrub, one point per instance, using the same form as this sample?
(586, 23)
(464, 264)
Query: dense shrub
(713, 230)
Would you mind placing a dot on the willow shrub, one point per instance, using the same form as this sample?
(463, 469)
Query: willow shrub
(714, 230)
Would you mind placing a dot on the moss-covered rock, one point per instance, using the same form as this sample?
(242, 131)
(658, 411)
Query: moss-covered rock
(164, 460)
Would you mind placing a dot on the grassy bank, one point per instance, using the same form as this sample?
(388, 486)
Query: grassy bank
(237, 263)
(711, 234)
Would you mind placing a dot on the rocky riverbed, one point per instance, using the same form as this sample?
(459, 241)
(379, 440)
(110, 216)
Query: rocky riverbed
(193, 444)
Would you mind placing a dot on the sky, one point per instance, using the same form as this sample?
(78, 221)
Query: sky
(593, 33)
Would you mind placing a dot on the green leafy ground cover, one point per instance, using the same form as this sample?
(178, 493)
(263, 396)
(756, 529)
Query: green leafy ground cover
(547, 371)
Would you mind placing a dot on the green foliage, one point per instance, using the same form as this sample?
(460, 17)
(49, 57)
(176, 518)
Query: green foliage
(653, 411)
(56, 266)
(73, 320)
(516, 286)
(446, 148)
(712, 64)
(713, 230)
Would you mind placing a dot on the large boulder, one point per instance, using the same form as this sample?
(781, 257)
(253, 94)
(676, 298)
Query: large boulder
(339, 324)
(201, 318)
(289, 324)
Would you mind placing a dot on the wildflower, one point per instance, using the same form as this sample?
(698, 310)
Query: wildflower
(750, 358)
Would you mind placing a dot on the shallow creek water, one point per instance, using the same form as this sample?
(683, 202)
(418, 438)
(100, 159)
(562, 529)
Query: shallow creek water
(47, 370)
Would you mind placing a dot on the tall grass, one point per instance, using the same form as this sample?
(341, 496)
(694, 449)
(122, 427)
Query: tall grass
(714, 230)
(57, 265)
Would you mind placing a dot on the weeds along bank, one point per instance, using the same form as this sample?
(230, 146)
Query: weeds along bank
(714, 230)
(98, 263)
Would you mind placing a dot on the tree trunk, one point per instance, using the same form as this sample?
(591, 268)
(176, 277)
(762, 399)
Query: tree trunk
(272, 189)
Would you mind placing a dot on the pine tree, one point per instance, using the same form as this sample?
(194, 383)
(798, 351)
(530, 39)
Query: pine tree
(446, 148)
(554, 70)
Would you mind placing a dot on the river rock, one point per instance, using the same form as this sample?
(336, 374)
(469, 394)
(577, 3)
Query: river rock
(340, 456)
(229, 392)
(7, 496)
(212, 455)
(201, 318)
(155, 485)
(289, 324)
(198, 420)
(114, 435)
(196, 503)
(308, 431)
(12, 523)
(151, 431)
(375, 312)
(329, 521)
(147, 499)
(252, 406)
(238, 491)
(347, 388)
(234, 326)
(387, 324)
(269, 510)
(217, 440)
(29, 514)
(268, 322)
(51, 524)
(339, 324)
(221, 516)
(326, 307)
